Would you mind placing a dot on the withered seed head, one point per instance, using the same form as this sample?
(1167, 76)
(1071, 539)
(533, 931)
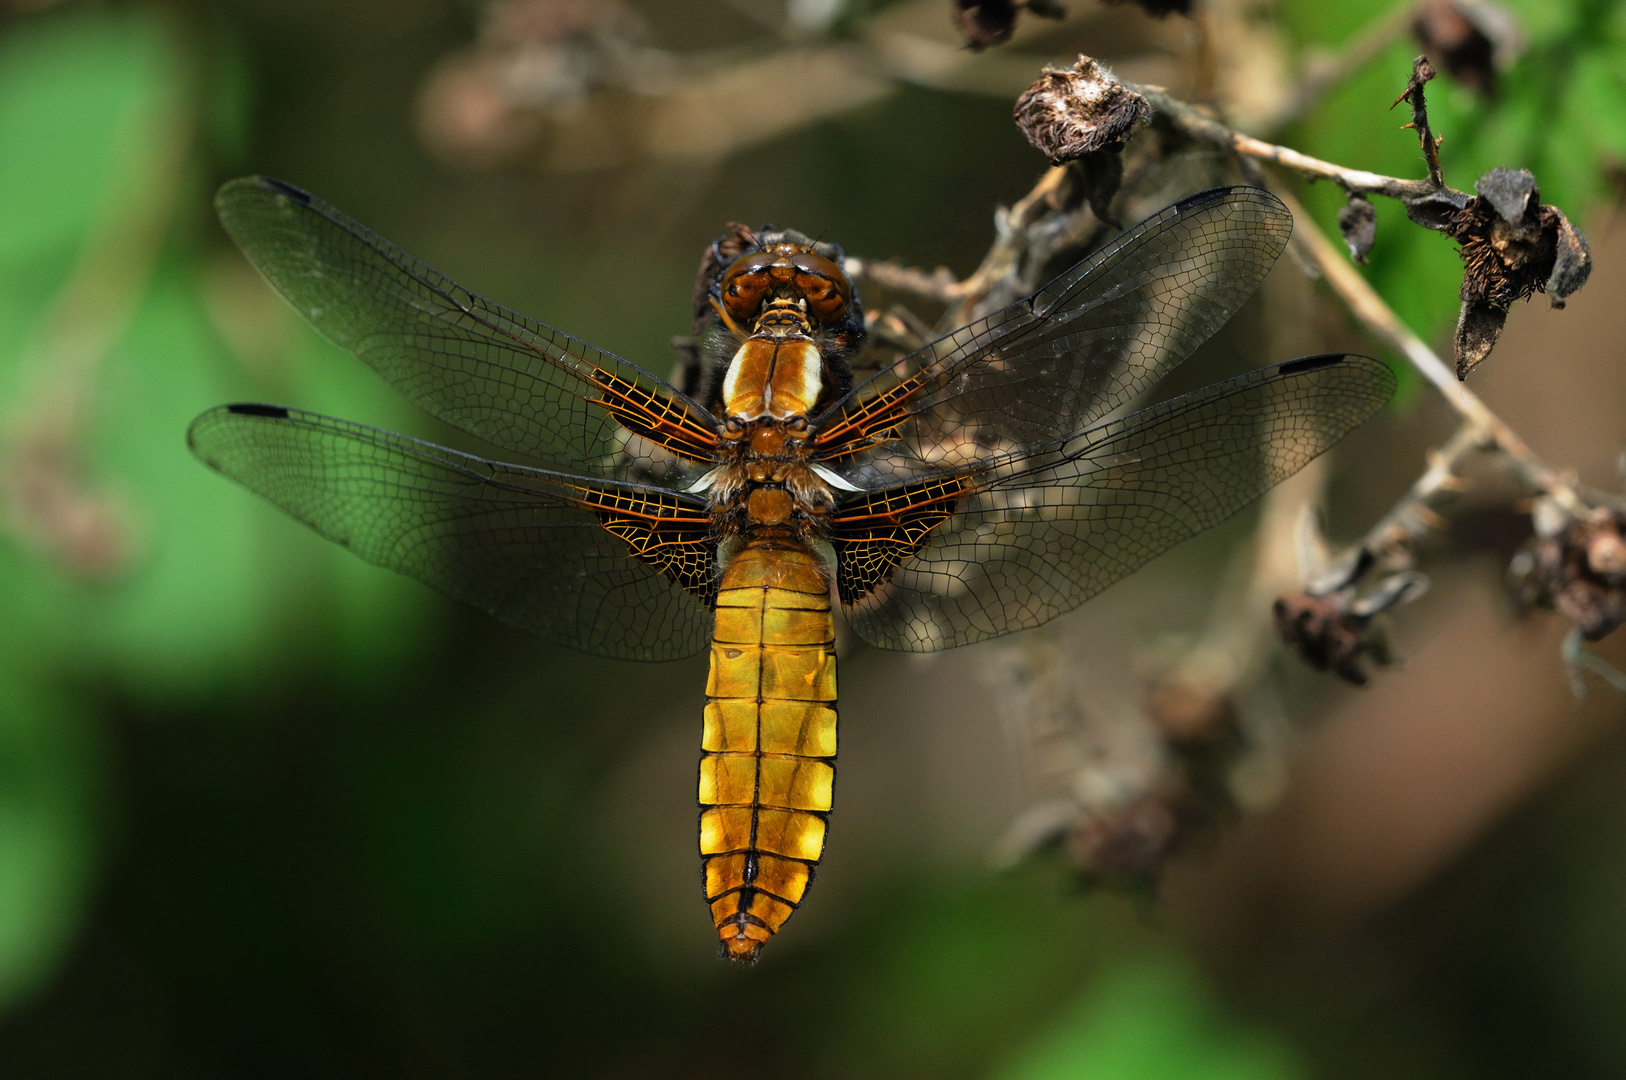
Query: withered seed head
(1606, 556)
(1075, 111)
(1512, 246)
(1334, 627)
(1581, 571)
(1324, 632)
(1572, 260)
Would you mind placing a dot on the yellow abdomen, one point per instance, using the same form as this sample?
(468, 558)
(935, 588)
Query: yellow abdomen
(768, 750)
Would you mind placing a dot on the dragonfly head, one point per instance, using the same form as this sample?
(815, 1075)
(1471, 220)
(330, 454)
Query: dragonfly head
(781, 285)
(781, 278)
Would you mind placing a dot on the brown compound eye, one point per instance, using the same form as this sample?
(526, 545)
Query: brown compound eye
(745, 284)
(825, 286)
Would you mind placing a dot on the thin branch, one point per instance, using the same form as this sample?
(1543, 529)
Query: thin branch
(939, 284)
(1010, 242)
(1199, 125)
(1578, 658)
(1421, 72)
(1413, 516)
(1007, 251)
(1311, 243)
(48, 496)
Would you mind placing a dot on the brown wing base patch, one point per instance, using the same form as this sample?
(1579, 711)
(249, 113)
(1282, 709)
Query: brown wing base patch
(659, 529)
(686, 555)
(655, 416)
(874, 534)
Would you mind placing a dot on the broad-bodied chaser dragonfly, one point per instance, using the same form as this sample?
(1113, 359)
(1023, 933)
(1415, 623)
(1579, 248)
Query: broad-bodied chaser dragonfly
(978, 486)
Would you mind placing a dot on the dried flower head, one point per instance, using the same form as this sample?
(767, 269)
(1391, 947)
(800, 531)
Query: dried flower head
(1080, 110)
(991, 22)
(1581, 571)
(1472, 40)
(1513, 246)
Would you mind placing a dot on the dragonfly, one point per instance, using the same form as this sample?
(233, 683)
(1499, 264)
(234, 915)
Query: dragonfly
(981, 485)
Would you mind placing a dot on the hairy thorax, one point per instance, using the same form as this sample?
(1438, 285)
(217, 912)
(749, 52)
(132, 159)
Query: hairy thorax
(766, 480)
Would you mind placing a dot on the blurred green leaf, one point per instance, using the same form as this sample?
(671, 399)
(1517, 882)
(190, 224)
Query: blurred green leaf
(961, 974)
(228, 97)
(225, 578)
(51, 766)
(1152, 1021)
(219, 585)
(71, 90)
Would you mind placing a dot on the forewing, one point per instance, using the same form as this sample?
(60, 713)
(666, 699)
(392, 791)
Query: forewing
(491, 372)
(1018, 540)
(611, 568)
(1086, 344)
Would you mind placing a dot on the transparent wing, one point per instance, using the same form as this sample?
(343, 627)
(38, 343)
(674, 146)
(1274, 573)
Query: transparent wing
(495, 374)
(617, 569)
(1084, 345)
(1017, 540)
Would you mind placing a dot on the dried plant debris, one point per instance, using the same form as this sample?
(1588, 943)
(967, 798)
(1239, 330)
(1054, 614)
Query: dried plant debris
(1358, 222)
(1131, 843)
(1325, 634)
(1334, 630)
(1472, 40)
(991, 22)
(1580, 570)
(1513, 246)
(535, 60)
(1084, 109)
(1191, 715)
(1159, 8)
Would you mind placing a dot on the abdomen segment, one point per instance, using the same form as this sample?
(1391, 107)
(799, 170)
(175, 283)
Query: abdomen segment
(768, 749)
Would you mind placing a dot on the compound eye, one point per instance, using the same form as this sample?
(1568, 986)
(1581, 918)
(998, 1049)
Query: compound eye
(744, 285)
(824, 284)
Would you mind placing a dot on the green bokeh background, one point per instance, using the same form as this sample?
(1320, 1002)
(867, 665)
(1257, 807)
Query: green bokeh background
(266, 811)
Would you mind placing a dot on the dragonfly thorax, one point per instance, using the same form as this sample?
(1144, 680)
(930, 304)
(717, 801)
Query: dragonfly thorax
(776, 374)
(767, 480)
